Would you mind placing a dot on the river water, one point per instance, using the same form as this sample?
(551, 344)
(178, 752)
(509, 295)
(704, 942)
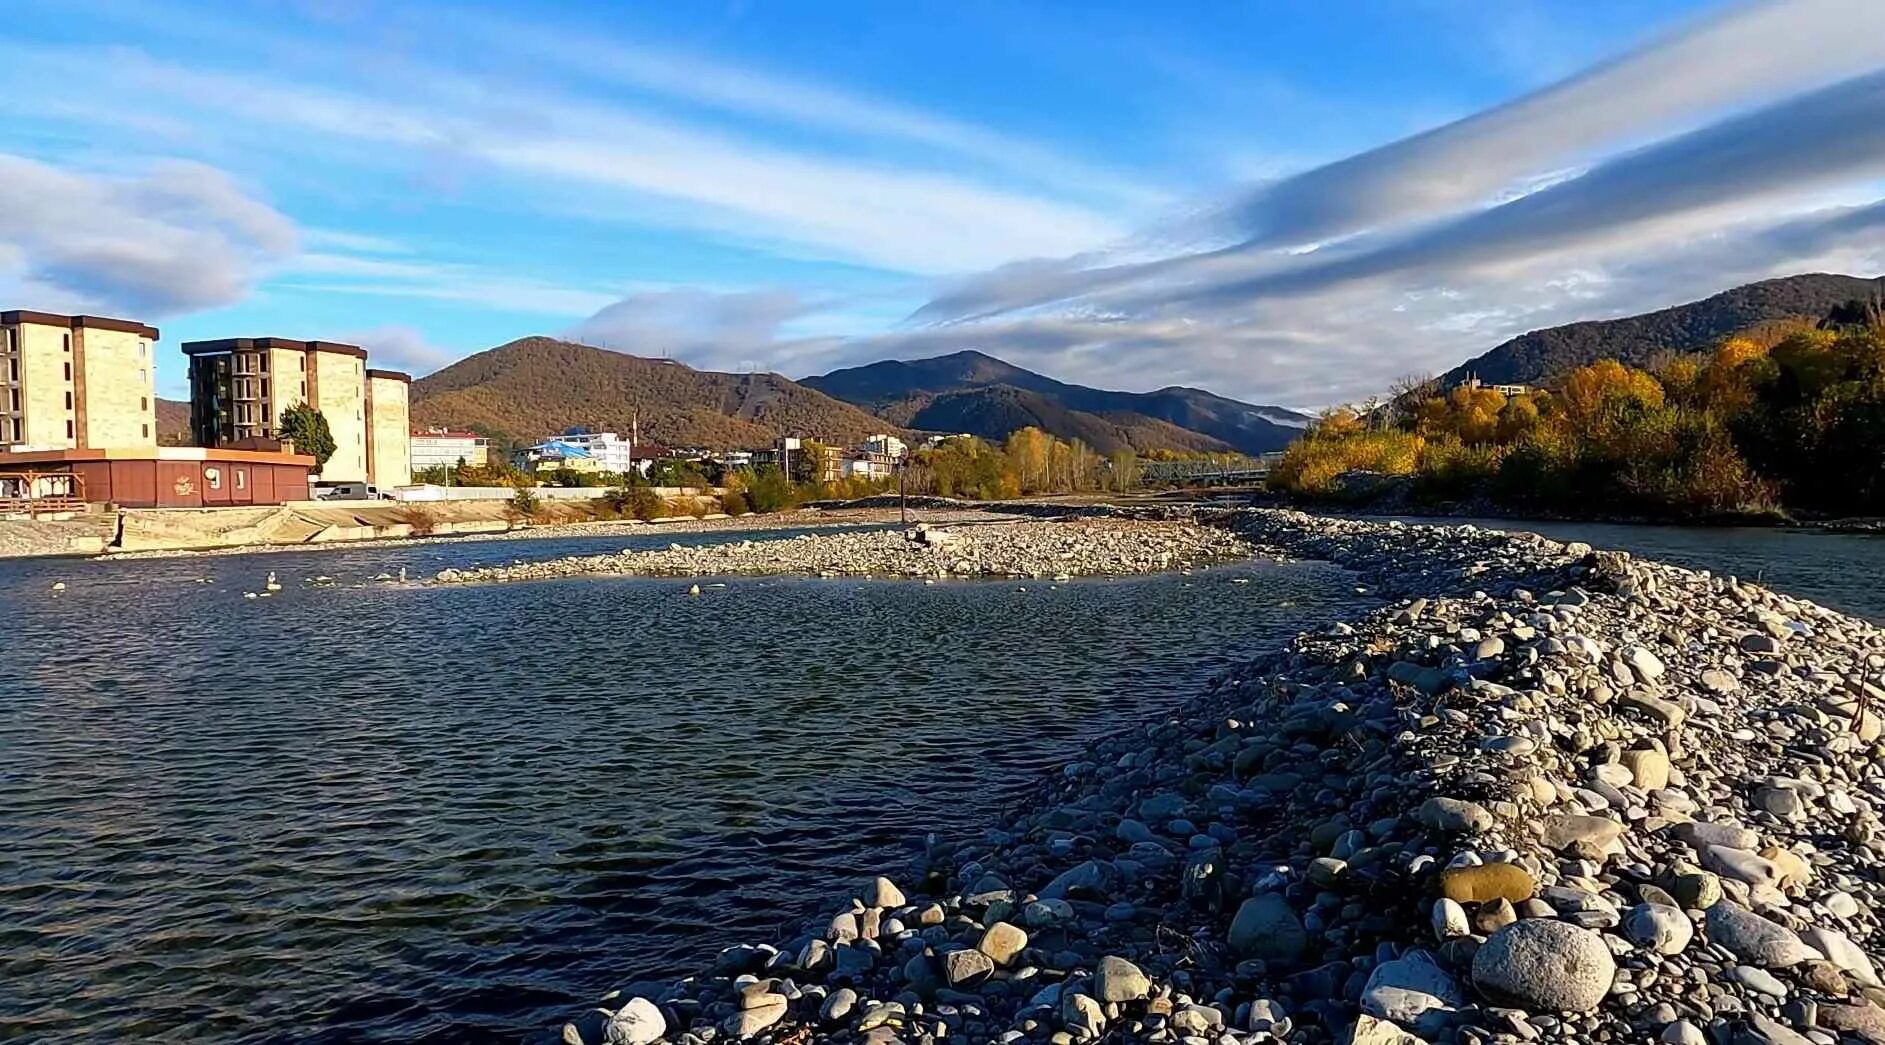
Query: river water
(373, 812)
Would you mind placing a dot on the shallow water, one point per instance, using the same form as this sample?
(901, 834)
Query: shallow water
(383, 812)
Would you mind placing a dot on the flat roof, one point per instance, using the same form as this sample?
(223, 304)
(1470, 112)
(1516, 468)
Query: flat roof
(54, 319)
(251, 344)
(154, 453)
(420, 433)
(389, 375)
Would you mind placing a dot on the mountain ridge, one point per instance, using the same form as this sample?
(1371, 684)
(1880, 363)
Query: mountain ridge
(1640, 340)
(939, 392)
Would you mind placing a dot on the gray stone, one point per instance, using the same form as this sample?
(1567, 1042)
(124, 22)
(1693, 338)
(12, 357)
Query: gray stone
(1267, 927)
(839, 1005)
(1664, 930)
(882, 892)
(1754, 939)
(966, 968)
(1002, 943)
(1117, 979)
(1644, 663)
(1371, 1031)
(1545, 965)
(1454, 814)
(1568, 829)
(1841, 951)
(637, 1023)
(1410, 988)
(750, 1021)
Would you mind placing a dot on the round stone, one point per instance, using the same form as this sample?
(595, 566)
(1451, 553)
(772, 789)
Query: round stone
(1545, 965)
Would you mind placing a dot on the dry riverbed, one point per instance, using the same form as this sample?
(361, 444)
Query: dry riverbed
(1059, 548)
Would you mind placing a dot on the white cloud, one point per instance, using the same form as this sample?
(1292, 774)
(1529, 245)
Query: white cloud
(178, 237)
(712, 331)
(398, 347)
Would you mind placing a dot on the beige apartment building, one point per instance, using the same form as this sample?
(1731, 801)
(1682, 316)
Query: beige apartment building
(76, 382)
(389, 429)
(239, 388)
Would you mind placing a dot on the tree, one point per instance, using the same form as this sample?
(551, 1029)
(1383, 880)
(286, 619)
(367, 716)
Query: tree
(307, 428)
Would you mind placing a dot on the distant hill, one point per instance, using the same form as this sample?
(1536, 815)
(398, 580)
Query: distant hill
(977, 393)
(1642, 340)
(173, 422)
(539, 386)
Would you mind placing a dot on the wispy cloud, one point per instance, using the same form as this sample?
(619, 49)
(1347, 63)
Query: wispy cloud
(175, 237)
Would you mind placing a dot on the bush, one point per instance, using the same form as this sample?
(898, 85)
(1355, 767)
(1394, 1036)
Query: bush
(422, 521)
(733, 502)
(1311, 465)
(524, 504)
(1449, 469)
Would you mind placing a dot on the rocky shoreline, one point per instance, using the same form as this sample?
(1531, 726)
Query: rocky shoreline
(1546, 794)
(1073, 546)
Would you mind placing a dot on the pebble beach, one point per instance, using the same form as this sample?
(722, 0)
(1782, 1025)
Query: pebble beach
(1542, 794)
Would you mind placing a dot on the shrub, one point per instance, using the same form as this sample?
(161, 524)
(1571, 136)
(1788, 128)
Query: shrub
(734, 503)
(422, 521)
(524, 504)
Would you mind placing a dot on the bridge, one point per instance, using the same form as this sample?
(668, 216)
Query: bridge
(1224, 471)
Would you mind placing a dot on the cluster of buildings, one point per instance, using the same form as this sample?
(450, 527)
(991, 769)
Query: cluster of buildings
(582, 450)
(78, 418)
(78, 425)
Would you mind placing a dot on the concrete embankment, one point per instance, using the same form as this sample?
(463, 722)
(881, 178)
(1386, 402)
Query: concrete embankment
(1069, 547)
(1544, 794)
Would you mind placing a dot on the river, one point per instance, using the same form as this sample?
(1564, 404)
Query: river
(354, 810)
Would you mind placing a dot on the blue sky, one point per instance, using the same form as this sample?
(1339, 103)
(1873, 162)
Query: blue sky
(1289, 202)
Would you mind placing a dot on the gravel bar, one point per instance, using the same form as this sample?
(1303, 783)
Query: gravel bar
(1543, 794)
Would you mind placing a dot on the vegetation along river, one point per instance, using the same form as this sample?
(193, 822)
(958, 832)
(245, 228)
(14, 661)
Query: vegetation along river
(356, 810)
(368, 811)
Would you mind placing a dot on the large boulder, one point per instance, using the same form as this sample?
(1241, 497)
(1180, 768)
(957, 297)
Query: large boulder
(1267, 927)
(1543, 964)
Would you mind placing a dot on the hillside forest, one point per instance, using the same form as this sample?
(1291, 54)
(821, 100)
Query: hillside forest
(1773, 421)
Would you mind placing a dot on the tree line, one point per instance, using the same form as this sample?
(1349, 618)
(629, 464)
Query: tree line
(1785, 418)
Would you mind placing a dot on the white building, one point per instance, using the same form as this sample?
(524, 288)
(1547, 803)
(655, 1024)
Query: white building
(610, 451)
(432, 447)
(888, 445)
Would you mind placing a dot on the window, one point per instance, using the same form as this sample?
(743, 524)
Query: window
(66, 343)
(68, 400)
(16, 400)
(143, 377)
(143, 348)
(68, 371)
(143, 403)
(265, 362)
(265, 388)
(147, 431)
(69, 433)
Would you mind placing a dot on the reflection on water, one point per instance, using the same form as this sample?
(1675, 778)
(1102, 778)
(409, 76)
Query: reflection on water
(373, 812)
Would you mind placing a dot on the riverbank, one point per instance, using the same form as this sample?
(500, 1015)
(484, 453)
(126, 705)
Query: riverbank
(1546, 795)
(1058, 549)
(754, 523)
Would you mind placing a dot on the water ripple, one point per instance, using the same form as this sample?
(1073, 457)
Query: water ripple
(363, 812)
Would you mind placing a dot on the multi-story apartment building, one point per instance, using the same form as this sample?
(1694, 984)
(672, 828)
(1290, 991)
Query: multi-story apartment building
(240, 387)
(76, 382)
